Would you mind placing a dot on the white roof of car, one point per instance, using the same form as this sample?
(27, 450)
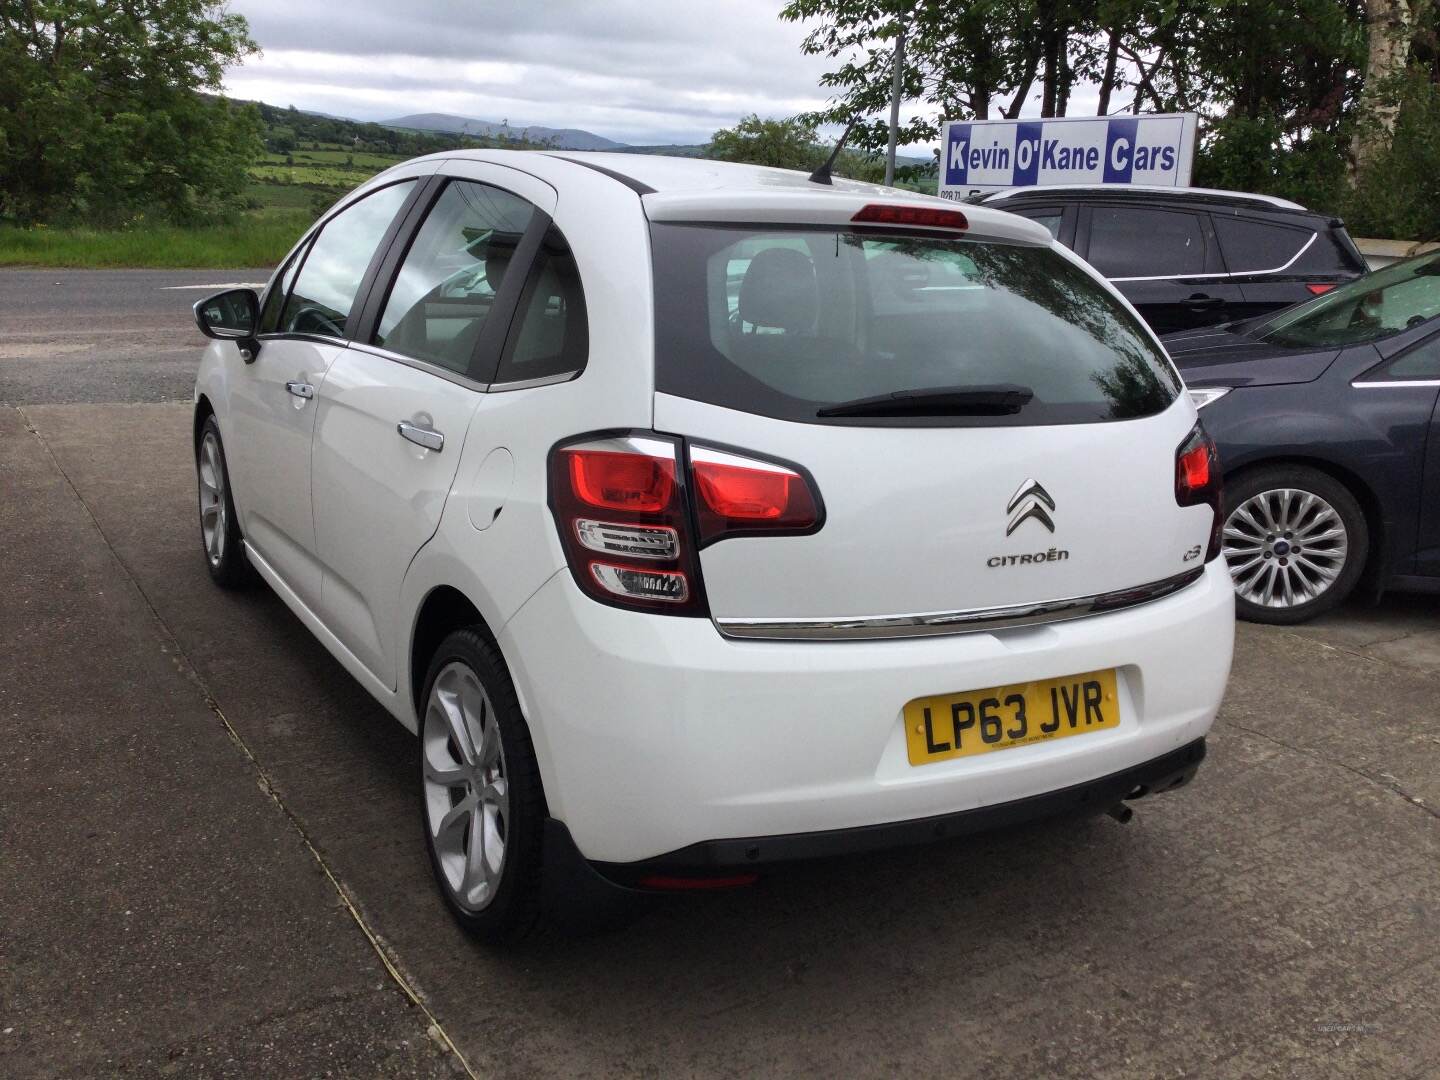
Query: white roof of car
(701, 189)
(1120, 189)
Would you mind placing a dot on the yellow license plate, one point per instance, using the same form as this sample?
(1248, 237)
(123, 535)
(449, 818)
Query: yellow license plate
(958, 725)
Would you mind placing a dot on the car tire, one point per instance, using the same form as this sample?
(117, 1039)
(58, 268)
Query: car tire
(1296, 542)
(220, 537)
(475, 751)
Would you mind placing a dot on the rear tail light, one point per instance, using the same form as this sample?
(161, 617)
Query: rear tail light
(924, 217)
(1320, 288)
(634, 511)
(738, 495)
(1197, 480)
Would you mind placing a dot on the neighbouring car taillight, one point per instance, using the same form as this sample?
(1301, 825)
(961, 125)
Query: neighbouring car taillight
(634, 511)
(1320, 288)
(1197, 480)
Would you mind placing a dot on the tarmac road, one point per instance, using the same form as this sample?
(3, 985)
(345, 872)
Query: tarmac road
(210, 861)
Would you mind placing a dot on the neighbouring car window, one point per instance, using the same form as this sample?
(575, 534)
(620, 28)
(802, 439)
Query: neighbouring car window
(786, 323)
(1251, 247)
(447, 284)
(1369, 308)
(1129, 242)
(331, 274)
(1421, 362)
(1051, 219)
(270, 316)
(550, 336)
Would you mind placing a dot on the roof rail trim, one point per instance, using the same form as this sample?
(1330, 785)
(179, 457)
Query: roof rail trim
(629, 181)
(1121, 190)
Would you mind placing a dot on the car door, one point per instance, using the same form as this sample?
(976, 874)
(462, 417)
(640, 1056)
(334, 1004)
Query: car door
(1164, 260)
(271, 410)
(396, 406)
(1413, 375)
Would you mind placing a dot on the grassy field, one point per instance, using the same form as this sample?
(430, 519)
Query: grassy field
(284, 199)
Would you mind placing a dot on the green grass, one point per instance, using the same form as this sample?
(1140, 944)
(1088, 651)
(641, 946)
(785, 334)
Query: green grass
(287, 198)
(258, 239)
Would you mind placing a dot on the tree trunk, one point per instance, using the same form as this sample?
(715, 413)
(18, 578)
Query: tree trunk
(1390, 24)
(1064, 73)
(1051, 77)
(1107, 81)
(1022, 91)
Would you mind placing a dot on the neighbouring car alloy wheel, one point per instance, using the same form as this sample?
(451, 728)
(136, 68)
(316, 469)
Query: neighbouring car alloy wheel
(480, 786)
(1295, 541)
(219, 524)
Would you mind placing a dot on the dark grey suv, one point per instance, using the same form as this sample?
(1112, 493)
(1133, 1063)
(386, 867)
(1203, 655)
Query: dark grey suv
(1191, 257)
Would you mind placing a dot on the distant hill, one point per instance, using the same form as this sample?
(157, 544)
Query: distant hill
(560, 138)
(676, 150)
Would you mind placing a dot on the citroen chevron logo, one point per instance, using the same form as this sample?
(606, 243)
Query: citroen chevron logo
(1029, 501)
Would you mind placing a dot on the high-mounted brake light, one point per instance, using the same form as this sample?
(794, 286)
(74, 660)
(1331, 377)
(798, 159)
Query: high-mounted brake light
(1197, 481)
(632, 519)
(924, 217)
(1319, 288)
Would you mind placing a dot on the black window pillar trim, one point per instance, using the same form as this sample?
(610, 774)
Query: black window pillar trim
(387, 257)
(485, 361)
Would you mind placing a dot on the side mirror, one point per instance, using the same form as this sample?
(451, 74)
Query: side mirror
(231, 316)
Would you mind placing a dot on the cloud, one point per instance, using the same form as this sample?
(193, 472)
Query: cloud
(659, 71)
(638, 72)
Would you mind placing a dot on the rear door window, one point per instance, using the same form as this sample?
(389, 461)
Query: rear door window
(446, 288)
(1258, 247)
(1132, 242)
(324, 293)
(789, 322)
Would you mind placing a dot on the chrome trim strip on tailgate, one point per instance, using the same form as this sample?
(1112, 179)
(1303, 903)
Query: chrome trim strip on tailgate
(953, 622)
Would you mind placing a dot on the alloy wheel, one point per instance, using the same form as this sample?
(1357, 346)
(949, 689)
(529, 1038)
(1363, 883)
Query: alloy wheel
(1285, 547)
(213, 515)
(467, 795)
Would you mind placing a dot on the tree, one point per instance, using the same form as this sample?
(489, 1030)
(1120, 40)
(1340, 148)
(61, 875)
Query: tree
(783, 144)
(1389, 27)
(787, 144)
(108, 109)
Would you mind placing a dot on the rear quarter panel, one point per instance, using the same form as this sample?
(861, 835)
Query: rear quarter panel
(499, 560)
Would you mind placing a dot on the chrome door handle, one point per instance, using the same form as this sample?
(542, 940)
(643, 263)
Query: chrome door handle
(431, 440)
(301, 389)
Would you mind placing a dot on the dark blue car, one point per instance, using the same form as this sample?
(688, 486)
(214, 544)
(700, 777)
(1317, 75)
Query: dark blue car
(1326, 420)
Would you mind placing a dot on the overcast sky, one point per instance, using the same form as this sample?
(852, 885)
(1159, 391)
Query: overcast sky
(658, 71)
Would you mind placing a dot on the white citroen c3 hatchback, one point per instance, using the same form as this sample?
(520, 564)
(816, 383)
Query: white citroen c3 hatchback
(701, 517)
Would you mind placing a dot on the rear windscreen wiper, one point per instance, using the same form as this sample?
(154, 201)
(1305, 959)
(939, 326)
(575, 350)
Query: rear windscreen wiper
(1002, 399)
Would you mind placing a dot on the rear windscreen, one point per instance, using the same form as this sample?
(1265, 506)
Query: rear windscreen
(790, 322)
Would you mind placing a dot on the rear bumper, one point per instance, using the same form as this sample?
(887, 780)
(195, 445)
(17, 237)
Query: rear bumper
(655, 735)
(1161, 774)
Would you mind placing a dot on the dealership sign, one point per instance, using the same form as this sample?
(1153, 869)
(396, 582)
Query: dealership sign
(986, 155)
